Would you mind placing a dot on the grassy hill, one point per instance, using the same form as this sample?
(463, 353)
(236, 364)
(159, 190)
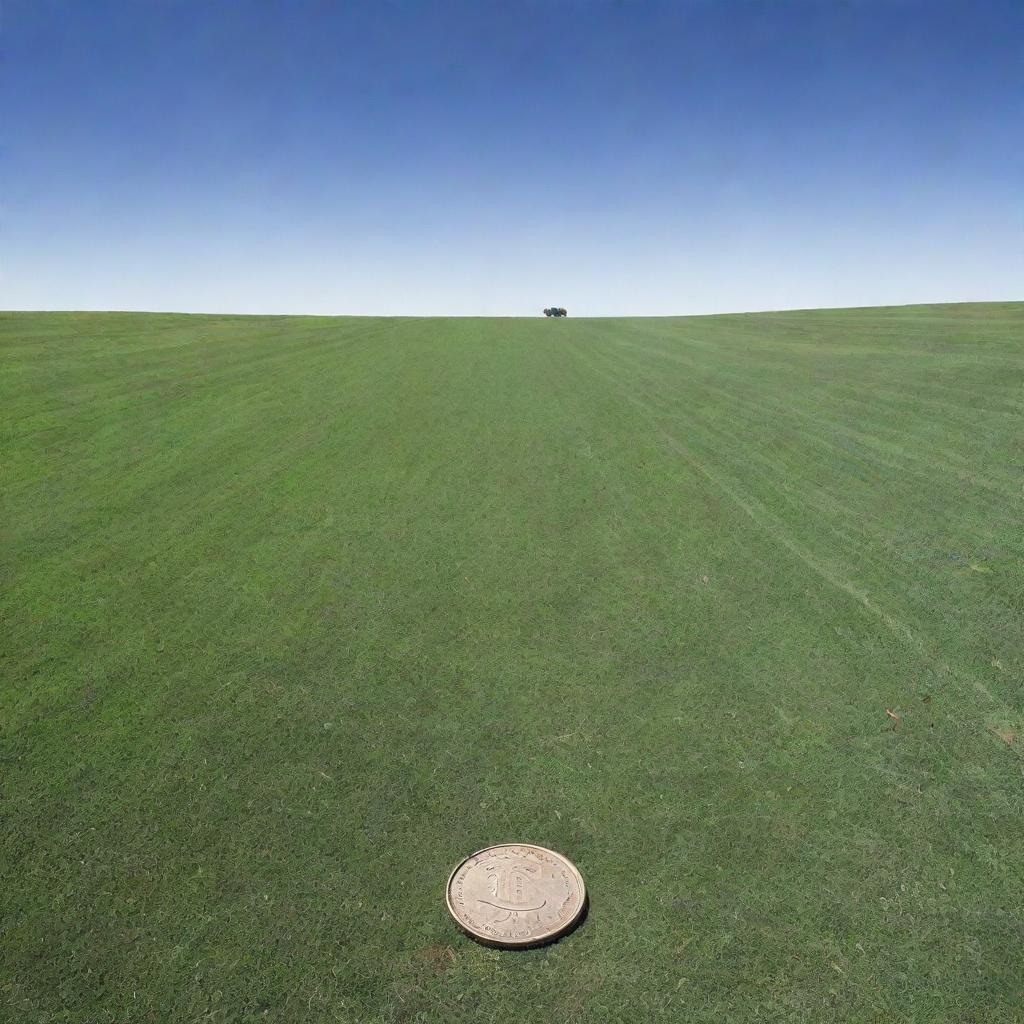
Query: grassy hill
(297, 612)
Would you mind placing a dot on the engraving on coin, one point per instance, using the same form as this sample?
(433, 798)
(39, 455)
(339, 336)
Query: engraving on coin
(516, 895)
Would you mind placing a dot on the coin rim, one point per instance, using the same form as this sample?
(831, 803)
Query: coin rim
(533, 940)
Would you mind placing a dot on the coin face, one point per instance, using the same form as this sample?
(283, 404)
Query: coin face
(516, 895)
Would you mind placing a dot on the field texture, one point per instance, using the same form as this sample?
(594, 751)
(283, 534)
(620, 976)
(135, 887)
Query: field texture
(297, 612)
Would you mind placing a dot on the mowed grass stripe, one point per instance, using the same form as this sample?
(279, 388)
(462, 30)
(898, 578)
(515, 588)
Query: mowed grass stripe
(854, 546)
(863, 404)
(782, 413)
(787, 443)
(824, 566)
(302, 610)
(753, 507)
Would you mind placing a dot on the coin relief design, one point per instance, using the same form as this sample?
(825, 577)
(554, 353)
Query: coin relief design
(516, 895)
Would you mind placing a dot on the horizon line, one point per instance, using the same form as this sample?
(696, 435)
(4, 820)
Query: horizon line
(511, 316)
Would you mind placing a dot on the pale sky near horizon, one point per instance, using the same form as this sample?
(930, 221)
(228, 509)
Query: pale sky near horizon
(616, 158)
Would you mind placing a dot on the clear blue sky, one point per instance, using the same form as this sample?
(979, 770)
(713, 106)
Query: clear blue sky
(477, 157)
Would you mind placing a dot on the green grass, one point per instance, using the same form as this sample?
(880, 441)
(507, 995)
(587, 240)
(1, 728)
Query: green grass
(297, 612)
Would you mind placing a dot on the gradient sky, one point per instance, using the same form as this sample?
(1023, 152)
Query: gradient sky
(484, 158)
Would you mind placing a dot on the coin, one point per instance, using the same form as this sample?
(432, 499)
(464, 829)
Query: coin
(516, 895)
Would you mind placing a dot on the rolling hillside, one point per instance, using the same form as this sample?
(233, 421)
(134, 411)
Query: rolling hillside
(297, 612)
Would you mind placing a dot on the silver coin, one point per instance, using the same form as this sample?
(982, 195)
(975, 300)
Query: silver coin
(516, 895)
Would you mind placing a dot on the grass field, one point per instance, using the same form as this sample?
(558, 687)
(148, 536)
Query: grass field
(297, 612)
